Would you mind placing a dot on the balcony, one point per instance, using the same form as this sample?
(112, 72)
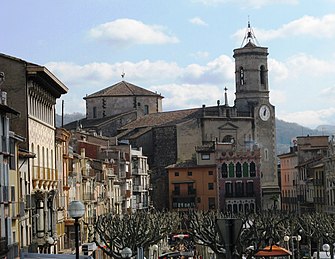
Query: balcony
(189, 193)
(88, 196)
(138, 188)
(183, 202)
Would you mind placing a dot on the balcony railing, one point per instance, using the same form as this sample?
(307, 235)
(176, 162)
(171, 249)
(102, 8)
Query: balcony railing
(88, 196)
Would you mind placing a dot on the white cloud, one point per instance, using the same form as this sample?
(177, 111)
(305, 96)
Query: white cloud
(197, 79)
(248, 3)
(184, 96)
(101, 75)
(129, 31)
(323, 27)
(218, 71)
(198, 21)
(193, 85)
(310, 118)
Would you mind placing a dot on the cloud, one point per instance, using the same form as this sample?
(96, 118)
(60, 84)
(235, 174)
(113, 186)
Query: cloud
(101, 75)
(195, 84)
(177, 96)
(129, 32)
(248, 3)
(198, 79)
(218, 71)
(198, 21)
(323, 27)
(310, 118)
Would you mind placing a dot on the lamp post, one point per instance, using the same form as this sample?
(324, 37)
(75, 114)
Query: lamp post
(126, 253)
(292, 238)
(76, 211)
(326, 248)
(154, 251)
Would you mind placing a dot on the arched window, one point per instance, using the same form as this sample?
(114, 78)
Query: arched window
(245, 169)
(231, 170)
(224, 170)
(241, 76)
(252, 169)
(238, 169)
(262, 75)
(228, 139)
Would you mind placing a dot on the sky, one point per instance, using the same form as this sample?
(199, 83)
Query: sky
(181, 49)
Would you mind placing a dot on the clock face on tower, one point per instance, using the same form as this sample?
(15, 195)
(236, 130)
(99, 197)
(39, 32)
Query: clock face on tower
(264, 112)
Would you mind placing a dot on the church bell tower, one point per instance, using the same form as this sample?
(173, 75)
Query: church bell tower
(252, 100)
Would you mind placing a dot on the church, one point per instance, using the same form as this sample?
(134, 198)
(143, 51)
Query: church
(239, 140)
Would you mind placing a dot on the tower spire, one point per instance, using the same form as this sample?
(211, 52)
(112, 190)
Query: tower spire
(225, 97)
(249, 36)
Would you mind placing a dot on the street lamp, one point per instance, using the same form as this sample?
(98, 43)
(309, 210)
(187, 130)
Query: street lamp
(154, 251)
(126, 253)
(298, 238)
(76, 211)
(326, 248)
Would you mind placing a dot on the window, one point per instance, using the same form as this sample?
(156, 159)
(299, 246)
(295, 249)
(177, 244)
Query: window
(190, 189)
(189, 173)
(205, 156)
(241, 76)
(176, 190)
(210, 186)
(245, 169)
(250, 188)
(211, 203)
(228, 189)
(176, 173)
(266, 154)
(252, 169)
(146, 109)
(228, 139)
(262, 75)
(12, 152)
(238, 170)
(239, 188)
(94, 112)
(231, 170)
(210, 172)
(224, 170)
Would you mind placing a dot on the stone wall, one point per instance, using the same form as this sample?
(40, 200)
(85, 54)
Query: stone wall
(113, 105)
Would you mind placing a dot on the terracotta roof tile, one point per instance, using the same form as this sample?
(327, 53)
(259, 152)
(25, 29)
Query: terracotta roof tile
(163, 118)
(123, 88)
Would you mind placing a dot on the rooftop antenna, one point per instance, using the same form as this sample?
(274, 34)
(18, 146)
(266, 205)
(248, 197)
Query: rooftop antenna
(249, 36)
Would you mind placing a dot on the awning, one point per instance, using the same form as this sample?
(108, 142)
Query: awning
(273, 251)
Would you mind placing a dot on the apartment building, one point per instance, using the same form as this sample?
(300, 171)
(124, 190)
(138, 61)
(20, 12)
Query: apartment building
(306, 175)
(9, 232)
(32, 90)
(289, 179)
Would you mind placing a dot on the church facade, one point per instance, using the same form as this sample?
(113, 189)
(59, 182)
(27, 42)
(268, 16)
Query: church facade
(241, 137)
